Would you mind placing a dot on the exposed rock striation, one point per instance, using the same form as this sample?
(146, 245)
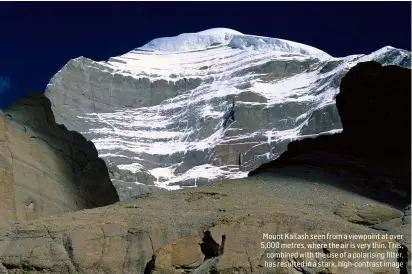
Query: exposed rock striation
(159, 109)
(129, 184)
(46, 169)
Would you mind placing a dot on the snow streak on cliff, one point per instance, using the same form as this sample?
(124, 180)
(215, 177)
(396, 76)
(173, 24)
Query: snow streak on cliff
(158, 109)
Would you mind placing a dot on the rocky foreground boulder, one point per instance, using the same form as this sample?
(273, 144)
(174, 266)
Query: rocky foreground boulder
(46, 169)
(315, 188)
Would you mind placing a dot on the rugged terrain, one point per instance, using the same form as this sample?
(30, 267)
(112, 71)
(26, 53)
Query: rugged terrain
(46, 169)
(122, 238)
(156, 112)
(329, 184)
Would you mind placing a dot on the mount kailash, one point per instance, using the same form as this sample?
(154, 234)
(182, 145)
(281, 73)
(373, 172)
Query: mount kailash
(156, 113)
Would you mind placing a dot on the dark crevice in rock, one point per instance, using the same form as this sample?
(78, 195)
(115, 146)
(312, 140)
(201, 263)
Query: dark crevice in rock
(68, 246)
(131, 240)
(151, 244)
(103, 246)
(23, 266)
(126, 260)
(48, 232)
(364, 223)
(185, 267)
(249, 261)
(150, 266)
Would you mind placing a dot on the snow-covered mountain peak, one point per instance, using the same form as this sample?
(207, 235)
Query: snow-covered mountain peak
(220, 32)
(202, 40)
(191, 41)
(158, 114)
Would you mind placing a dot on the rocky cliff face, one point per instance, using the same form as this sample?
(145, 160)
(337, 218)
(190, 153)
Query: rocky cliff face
(46, 169)
(329, 184)
(157, 111)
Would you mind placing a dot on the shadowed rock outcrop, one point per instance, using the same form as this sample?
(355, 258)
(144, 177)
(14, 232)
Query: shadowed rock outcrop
(374, 104)
(46, 169)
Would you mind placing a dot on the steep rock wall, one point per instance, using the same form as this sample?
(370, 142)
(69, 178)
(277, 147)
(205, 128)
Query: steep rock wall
(44, 168)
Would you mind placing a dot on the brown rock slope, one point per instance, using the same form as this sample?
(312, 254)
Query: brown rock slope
(121, 238)
(314, 194)
(44, 168)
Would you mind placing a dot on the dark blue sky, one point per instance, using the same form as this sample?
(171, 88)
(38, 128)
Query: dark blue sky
(38, 38)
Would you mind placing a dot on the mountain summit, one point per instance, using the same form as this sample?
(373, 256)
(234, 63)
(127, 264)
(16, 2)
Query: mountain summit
(159, 114)
(203, 40)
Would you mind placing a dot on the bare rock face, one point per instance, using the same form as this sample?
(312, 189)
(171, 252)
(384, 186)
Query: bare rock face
(46, 169)
(129, 184)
